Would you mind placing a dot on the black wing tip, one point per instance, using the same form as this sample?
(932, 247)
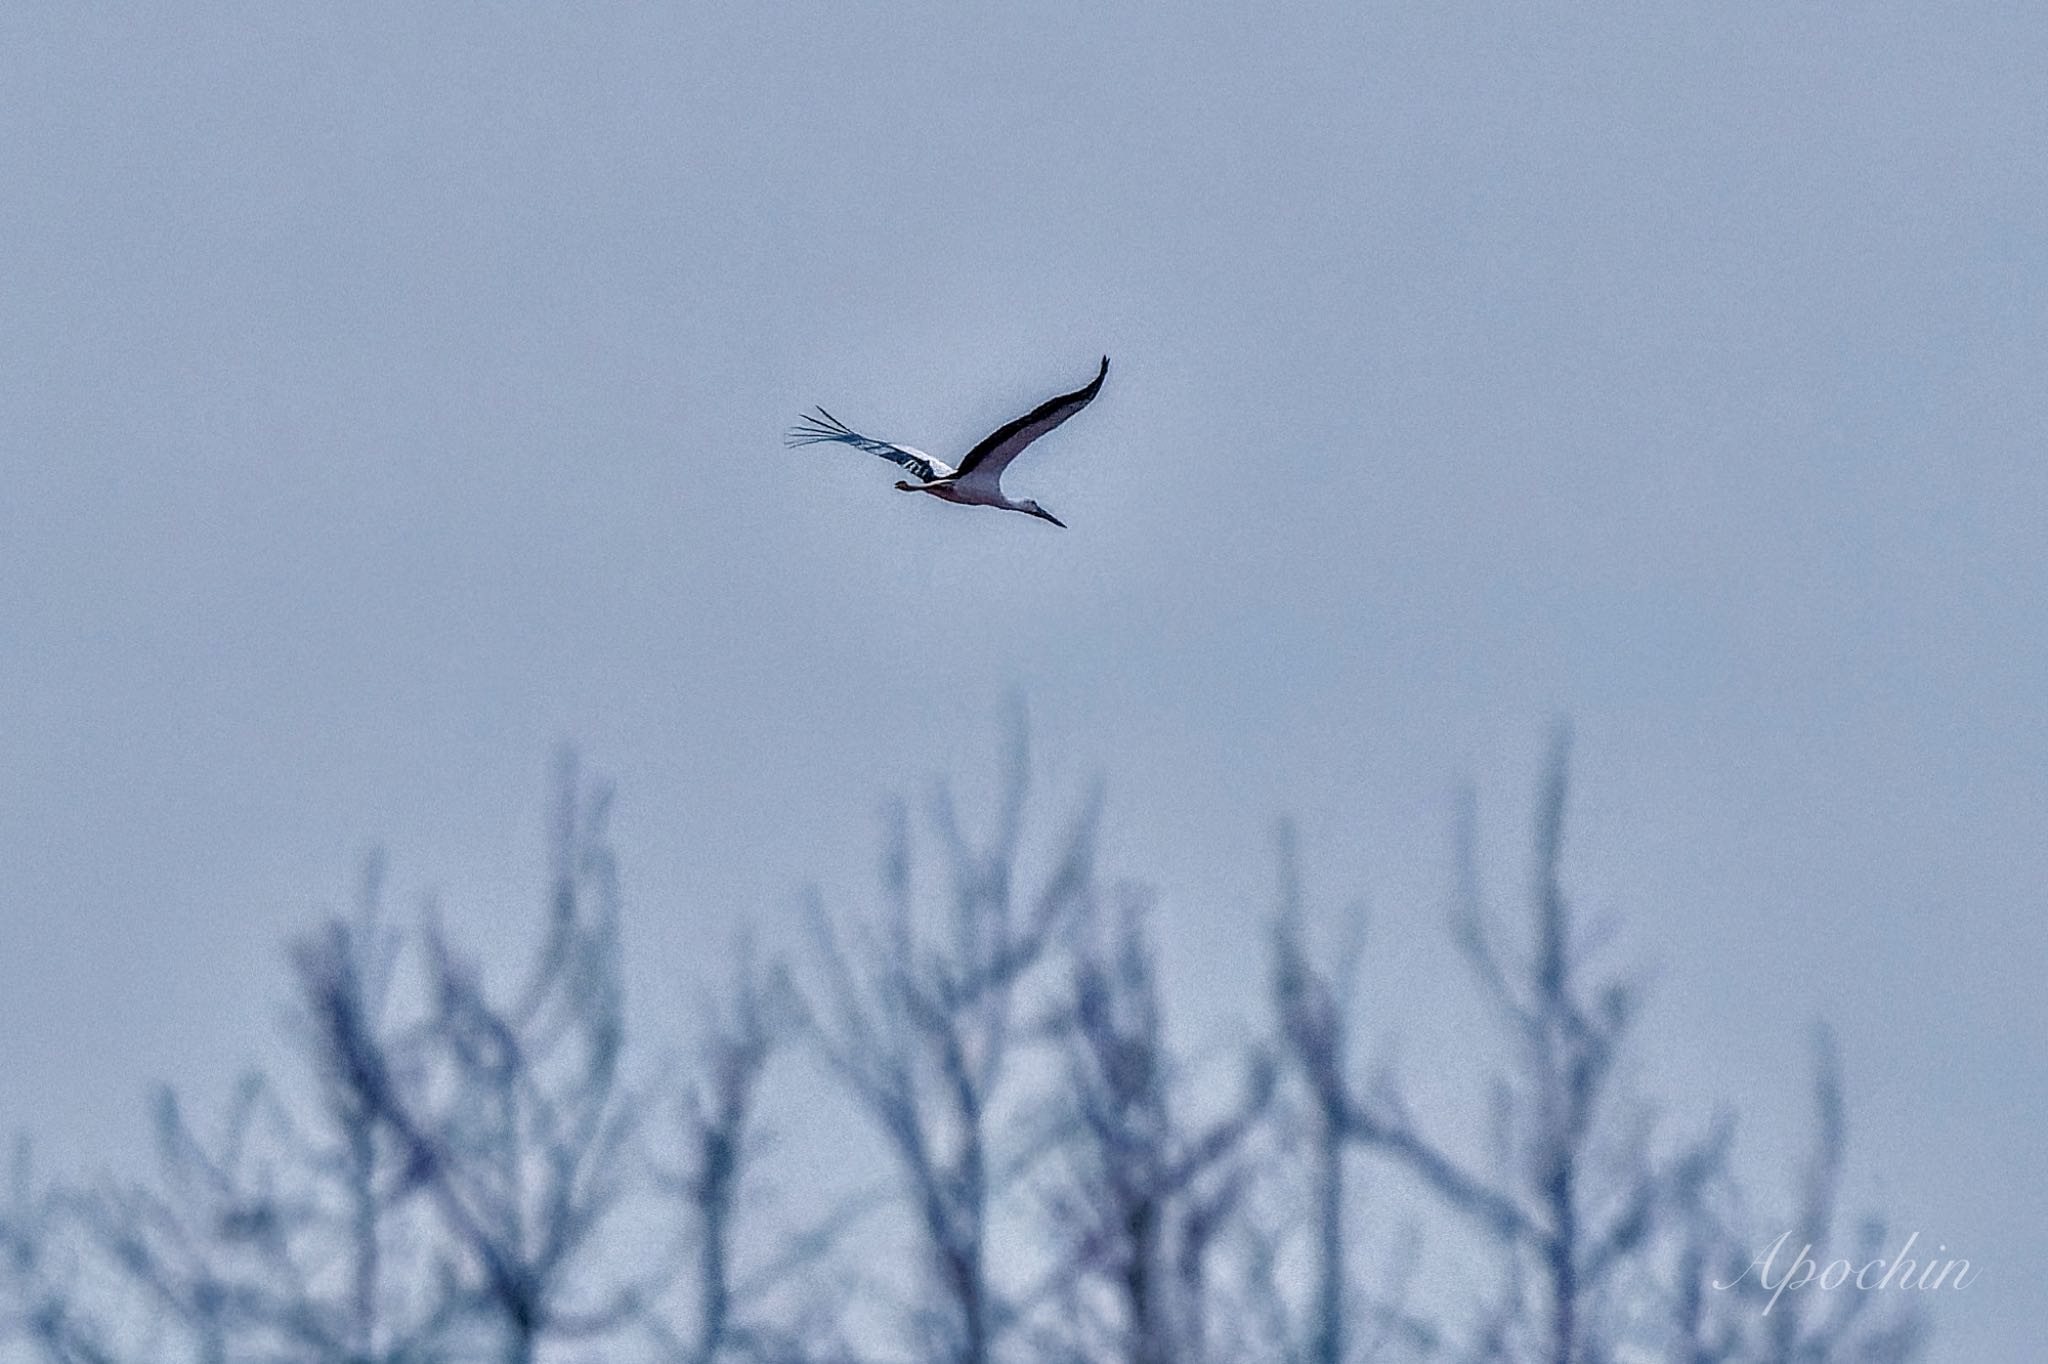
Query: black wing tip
(814, 430)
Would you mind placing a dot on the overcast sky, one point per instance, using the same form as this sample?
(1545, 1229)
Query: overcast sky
(390, 392)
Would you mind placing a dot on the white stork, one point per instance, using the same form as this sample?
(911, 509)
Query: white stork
(978, 482)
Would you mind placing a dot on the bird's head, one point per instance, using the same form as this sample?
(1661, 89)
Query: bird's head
(1041, 513)
(904, 485)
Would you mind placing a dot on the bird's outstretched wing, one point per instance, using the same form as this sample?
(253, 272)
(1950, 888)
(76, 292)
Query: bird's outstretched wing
(985, 462)
(826, 427)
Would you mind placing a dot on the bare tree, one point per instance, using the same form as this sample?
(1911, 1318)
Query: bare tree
(1576, 1195)
(1145, 1194)
(464, 1173)
(443, 1188)
(40, 1313)
(919, 1020)
(1318, 1015)
(729, 1313)
(273, 1239)
(1725, 1310)
(506, 1113)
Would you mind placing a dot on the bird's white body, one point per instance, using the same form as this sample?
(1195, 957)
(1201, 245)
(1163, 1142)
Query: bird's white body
(978, 482)
(967, 492)
(949, 490)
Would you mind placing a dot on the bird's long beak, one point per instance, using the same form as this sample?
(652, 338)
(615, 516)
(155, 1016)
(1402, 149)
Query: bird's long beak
(1044, 515)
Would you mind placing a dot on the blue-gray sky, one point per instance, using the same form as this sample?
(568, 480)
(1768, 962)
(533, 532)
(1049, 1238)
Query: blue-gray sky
(390, 391)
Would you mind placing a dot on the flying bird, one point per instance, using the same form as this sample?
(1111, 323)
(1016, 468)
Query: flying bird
(978, 482)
